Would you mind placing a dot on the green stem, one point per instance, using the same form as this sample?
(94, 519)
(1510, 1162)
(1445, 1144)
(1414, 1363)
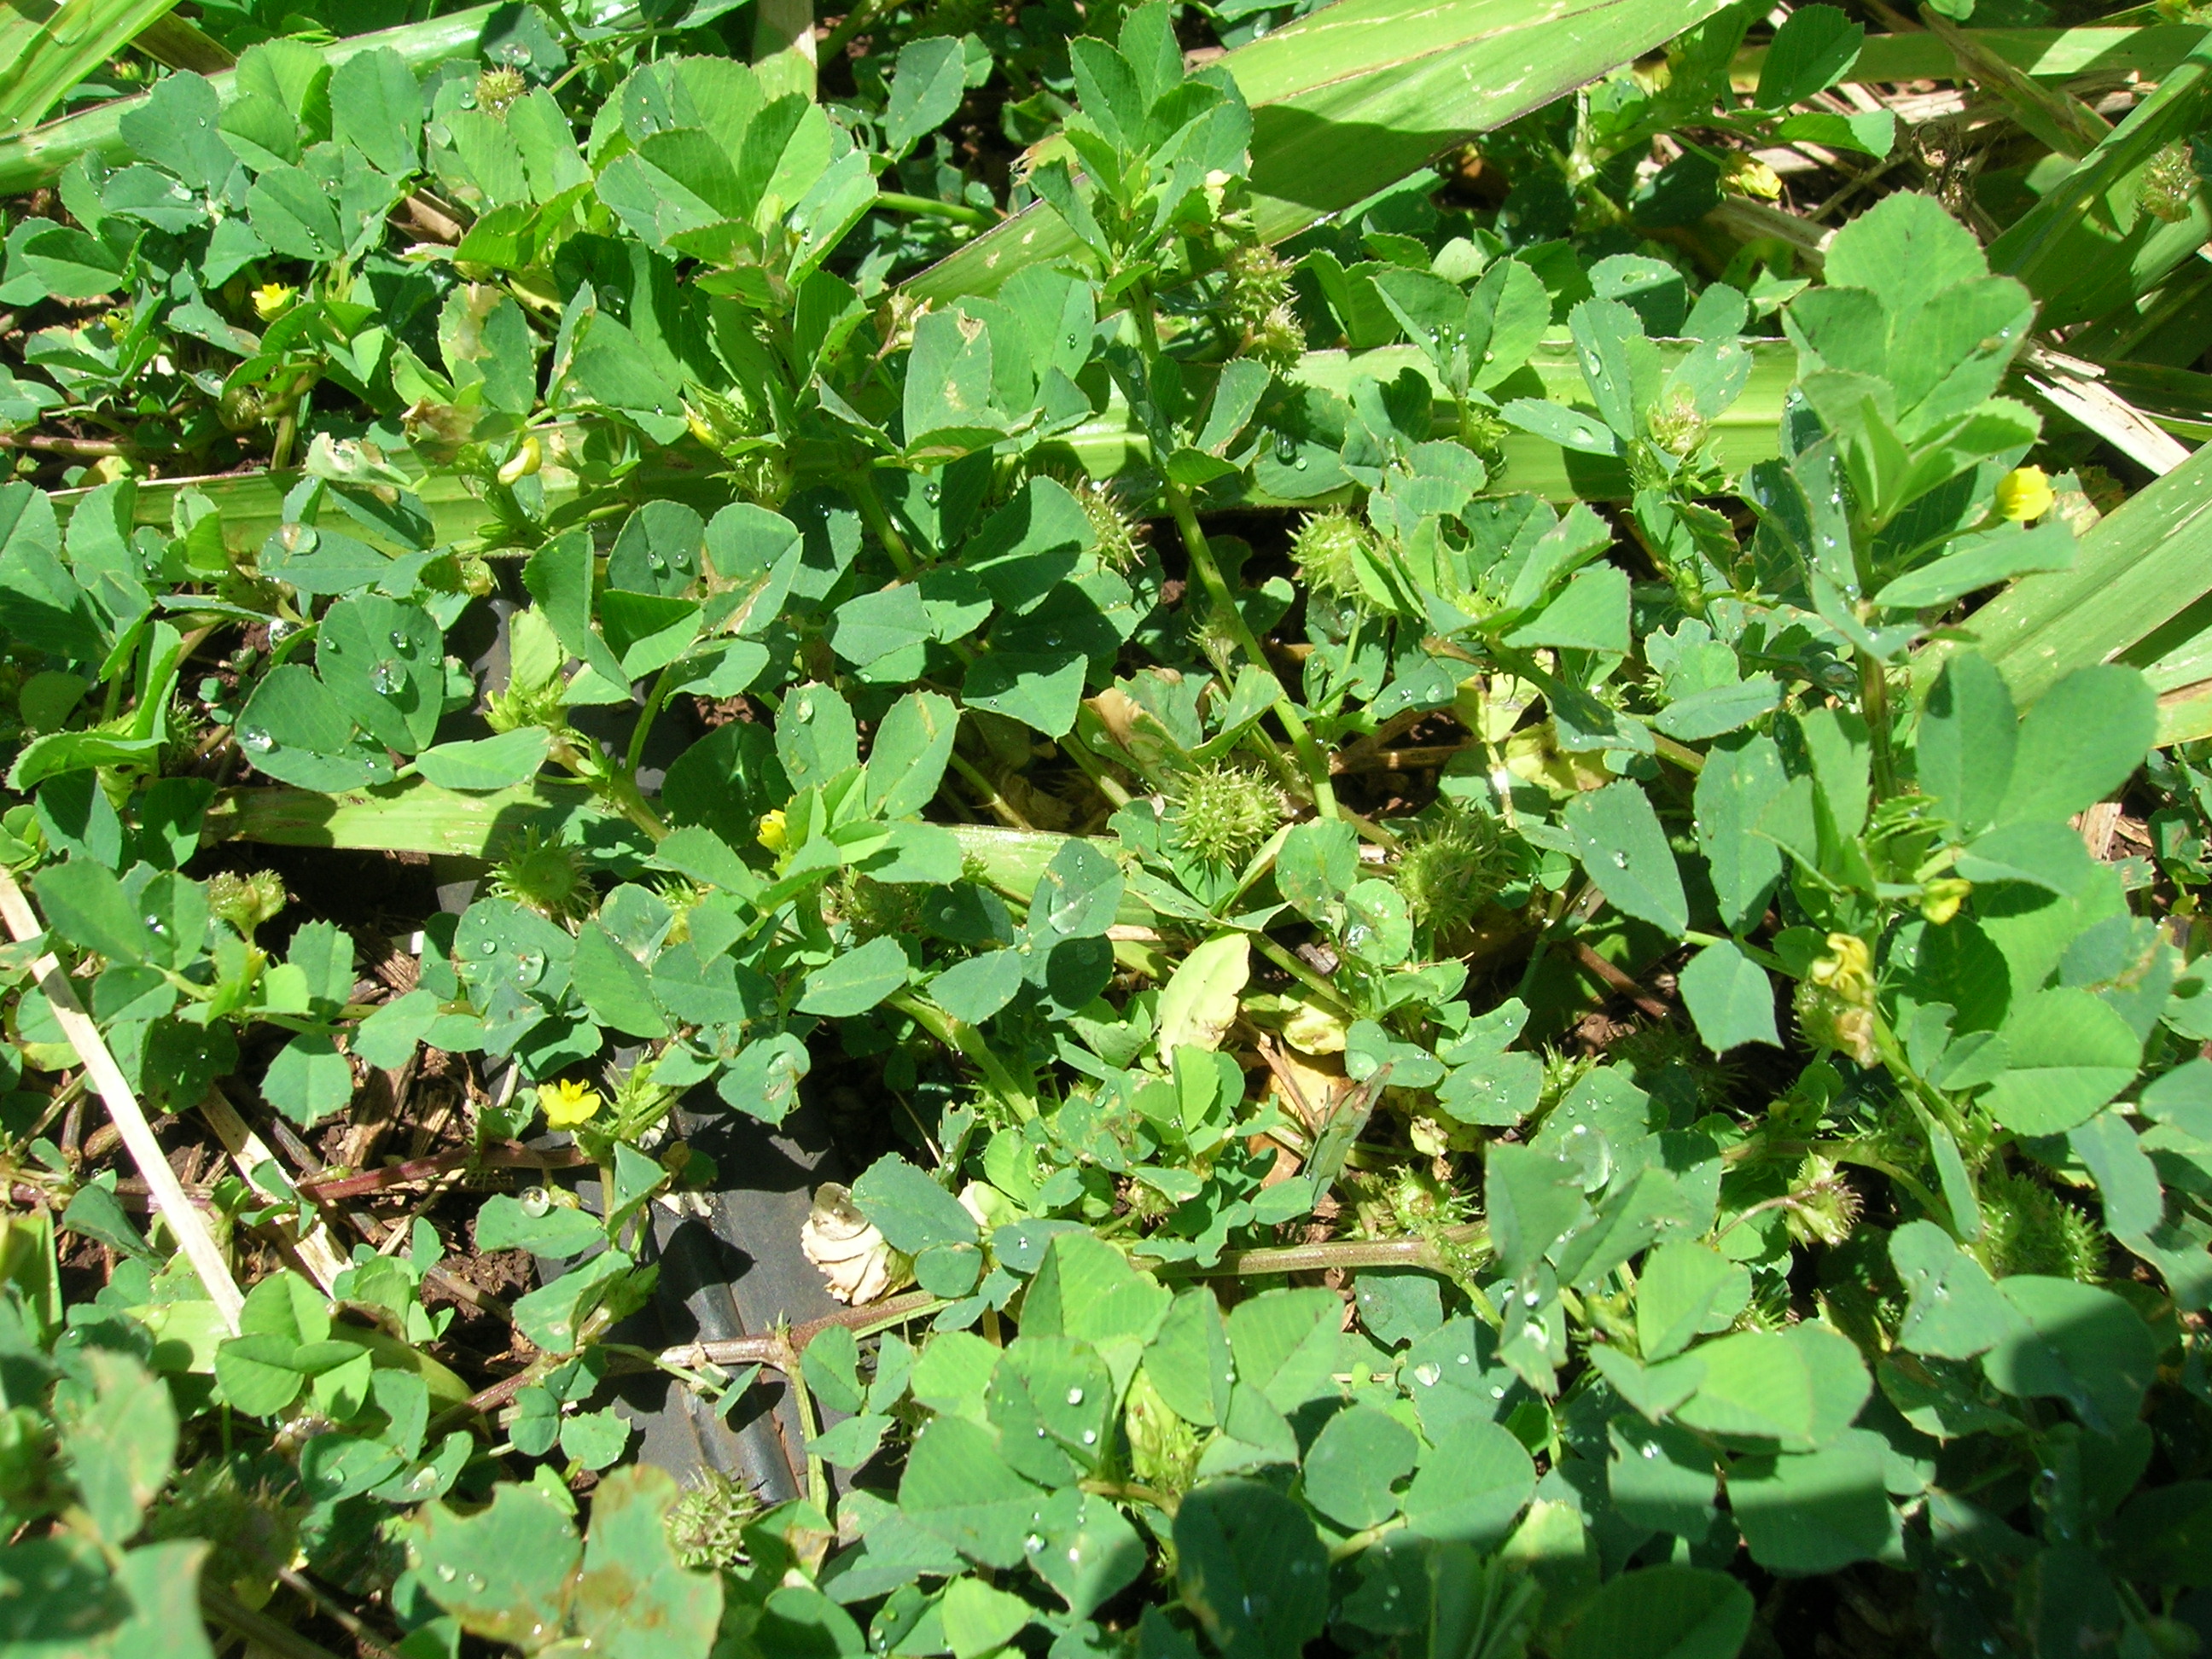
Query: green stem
(958, 1035)
(1765, 959)
(1304, 975)
(810, 1424)
(1311, 761)
(645, 719)
(862, 486)
(1004, 809)
(1873, 699)
(1087, 764)
(958, 212)
(839, 37)
(1336, 1252)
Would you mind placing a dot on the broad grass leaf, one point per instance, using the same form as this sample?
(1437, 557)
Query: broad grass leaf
(2069, 1052)
(1956, 1311)
(912, 1210)
(1814, 49)
(1794, 1389)
(2080, 742)
(1730, 998)
(926, 87)
(1251, 1568)
(2077, 1343)
(1473, 1481)
(1664, 1612)
(1681, 1284)
(1814, 1511)
(1287, 1344)
(957, 1488)
(1618, 837)
(1360, 1454)
(1738, 782)
(857, 981)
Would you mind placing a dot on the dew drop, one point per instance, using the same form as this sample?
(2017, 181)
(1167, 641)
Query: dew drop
(1650, 1450)
(387, 677)
(1032, 1543)
(1286, 450)
(445, 1573)
(1091, 1436)
(1426, 1375)
(1620, 860)
(256, 739)
(1075, 1396)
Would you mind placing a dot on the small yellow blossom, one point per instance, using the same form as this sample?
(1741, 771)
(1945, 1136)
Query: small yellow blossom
(1746, 176)
(272, 300)
(529, 455)
(1940, 899)
(2024, 493)
(771, 834)
(567, 1104)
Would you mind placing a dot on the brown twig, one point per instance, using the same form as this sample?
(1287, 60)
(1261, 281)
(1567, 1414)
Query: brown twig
(1619, 981)
(500, 1155)
(51, 444)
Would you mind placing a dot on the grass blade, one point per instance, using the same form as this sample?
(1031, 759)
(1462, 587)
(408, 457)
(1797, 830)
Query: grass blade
(1110, 446)
(2144, 565)
(2088, 245)
(31, 158)
(42, 57)
(1360, 94)
(2047, 54)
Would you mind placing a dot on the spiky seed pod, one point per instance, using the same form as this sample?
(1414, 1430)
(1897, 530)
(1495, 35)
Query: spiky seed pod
(2028, 1229)
(246, 902)
(241, 409)
(1824, 1206)
(1450, 871)
(2170, 183)
(543, 875)
(498, 87)
(706, 1524)
(1223, 812)
(1120, 533)
(1163, 1448)
(253, 1528)
(1676, 426)
(1327, 549)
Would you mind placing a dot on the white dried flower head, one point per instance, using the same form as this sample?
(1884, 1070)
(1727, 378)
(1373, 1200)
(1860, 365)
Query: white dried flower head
(853, 1255)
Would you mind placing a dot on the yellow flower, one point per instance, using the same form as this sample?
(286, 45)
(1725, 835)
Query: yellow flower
(1747, 177)
(567, 1104)
(529, 455)
(272, 300)
(771, 834)
(2024, 493)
